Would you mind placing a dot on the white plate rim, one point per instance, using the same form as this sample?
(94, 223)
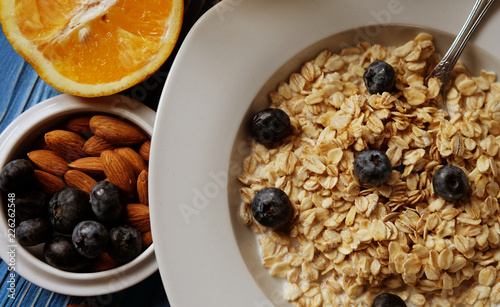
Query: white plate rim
(222, 64)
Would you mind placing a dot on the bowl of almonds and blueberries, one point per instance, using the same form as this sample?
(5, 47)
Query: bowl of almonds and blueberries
(363, 192)
(74, 186)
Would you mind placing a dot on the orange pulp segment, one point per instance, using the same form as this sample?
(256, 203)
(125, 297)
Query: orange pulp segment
(92, 47)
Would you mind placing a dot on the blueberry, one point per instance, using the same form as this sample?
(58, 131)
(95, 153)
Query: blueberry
(124, 244)
(30, 204)
(68, 207)
(34, 231)
(59, 252)
(270, 125)
(372, 167)
(379, 77)
(272, 208)
(450, 182)
(90, 238)
(388, 300)
(106, 202)
(17, 175)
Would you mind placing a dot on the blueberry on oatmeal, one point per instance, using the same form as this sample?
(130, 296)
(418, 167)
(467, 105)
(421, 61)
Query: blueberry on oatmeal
(379, 77)
(382, 212)
(272, 208)
(372, 167)
(450, 182)
(388, 300)
(270, 125)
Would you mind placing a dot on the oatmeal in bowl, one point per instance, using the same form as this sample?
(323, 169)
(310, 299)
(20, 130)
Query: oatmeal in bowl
(366, 187)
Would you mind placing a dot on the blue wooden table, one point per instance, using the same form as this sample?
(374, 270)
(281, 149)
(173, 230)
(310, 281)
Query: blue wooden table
(20, 89)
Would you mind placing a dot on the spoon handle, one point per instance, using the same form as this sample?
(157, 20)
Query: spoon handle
(443, 69)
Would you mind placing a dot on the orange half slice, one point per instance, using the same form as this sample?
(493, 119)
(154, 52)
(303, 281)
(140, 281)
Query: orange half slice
(92, 47)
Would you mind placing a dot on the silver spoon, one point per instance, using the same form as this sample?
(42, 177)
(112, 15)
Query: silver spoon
(443, 69)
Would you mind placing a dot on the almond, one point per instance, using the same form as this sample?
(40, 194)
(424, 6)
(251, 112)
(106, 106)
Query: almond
(89, 165)
(142, 187)
(51, 184)
(95, 145)
(103, 262)
(39, 143)
(79, 125)
(144, 150)
(135, 160)
(115, 131)
(147, 239)
(66, 144)
(48, 161)
(138, 217)
(119, 171)
(79, 180)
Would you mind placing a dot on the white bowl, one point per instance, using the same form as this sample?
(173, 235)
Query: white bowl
(28, 262)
